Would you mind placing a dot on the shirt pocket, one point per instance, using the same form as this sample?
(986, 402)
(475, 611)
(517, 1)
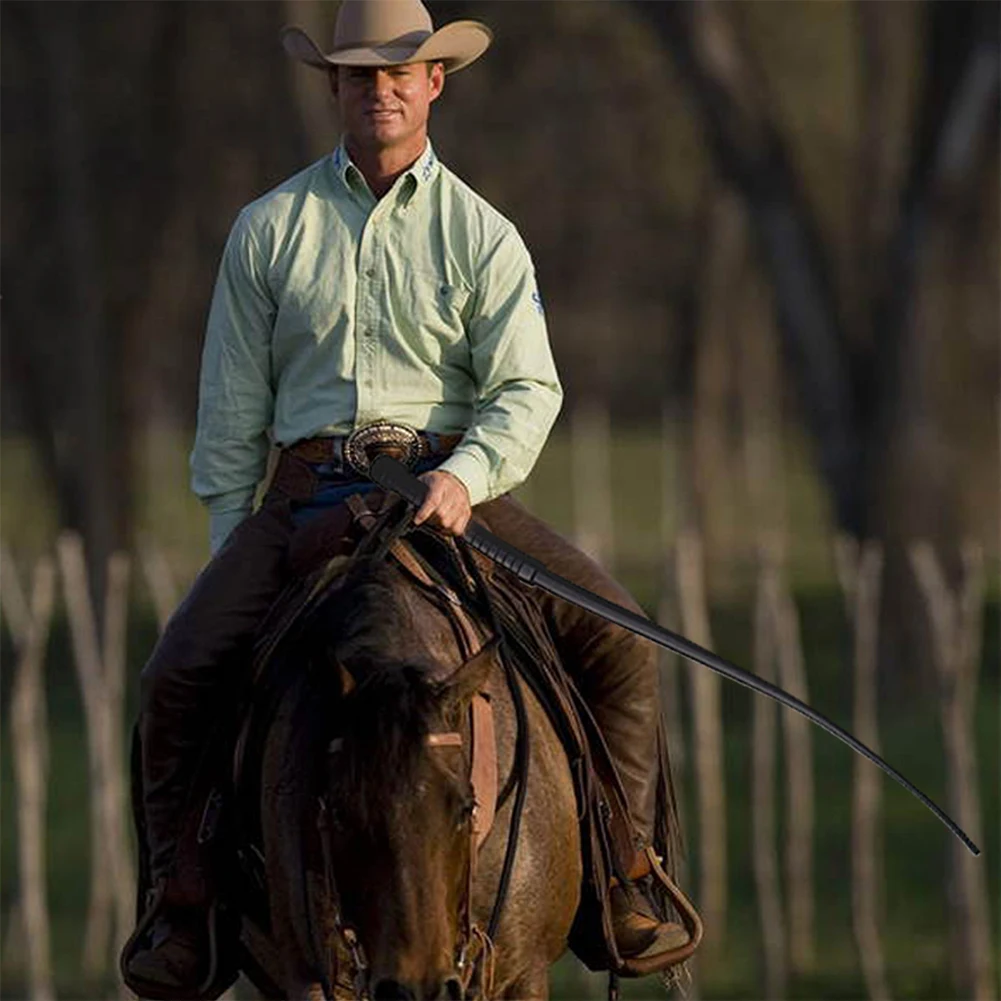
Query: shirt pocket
(435, 308)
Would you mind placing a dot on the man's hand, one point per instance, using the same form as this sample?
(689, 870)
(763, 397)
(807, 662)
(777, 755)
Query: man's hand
(447, 503)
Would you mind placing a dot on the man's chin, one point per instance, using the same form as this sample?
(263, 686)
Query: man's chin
(382, 139)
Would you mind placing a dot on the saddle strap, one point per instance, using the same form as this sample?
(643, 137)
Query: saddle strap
(362, 513)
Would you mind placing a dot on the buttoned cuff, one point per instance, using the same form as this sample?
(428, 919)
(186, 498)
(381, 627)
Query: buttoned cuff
(221, 523)
(473, 473)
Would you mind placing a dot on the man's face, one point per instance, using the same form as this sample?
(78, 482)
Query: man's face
(383, 107)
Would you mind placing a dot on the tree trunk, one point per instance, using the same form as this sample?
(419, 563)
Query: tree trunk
(94, 487)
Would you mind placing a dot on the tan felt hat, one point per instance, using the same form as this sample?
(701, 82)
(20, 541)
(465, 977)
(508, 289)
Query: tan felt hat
(390, 32)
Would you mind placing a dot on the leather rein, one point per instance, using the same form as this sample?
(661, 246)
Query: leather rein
(475, 953)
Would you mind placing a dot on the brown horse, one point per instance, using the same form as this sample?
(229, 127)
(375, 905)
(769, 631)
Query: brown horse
(370, 818)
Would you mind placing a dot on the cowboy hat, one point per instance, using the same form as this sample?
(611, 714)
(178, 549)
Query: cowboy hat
(388, 33)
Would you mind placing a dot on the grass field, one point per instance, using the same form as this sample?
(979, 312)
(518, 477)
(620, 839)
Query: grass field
(915, 845)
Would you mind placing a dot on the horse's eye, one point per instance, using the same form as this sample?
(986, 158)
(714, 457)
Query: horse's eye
(466, 810)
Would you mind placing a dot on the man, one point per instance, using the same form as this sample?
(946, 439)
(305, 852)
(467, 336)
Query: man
(372, 287)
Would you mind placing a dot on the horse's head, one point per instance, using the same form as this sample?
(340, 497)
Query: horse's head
(400, 800)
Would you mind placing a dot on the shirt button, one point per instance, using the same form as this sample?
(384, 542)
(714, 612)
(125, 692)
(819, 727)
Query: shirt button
(370, 272)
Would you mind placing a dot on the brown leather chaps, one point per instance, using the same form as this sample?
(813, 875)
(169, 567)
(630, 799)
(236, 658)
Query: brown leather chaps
(195, 666)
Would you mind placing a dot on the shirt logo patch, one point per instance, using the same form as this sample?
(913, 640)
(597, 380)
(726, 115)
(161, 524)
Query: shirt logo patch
(428, 166)
(537, 300)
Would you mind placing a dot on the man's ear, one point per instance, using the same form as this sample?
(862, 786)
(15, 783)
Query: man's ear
(436, 72)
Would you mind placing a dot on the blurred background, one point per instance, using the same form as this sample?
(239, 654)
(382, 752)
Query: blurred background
(767, 237)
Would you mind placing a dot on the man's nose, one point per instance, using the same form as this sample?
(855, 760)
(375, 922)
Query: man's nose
(382, 82)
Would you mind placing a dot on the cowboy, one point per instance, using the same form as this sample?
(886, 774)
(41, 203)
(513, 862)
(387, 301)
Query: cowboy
(374, 298)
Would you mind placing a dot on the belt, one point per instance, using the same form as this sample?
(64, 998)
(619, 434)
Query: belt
(357, 449)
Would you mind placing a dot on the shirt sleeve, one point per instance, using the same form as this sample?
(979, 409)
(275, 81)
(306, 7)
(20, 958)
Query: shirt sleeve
(236, 396)
(519, 392)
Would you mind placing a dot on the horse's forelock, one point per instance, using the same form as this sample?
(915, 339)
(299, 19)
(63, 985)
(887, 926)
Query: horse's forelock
(384, 720)
(385, 723)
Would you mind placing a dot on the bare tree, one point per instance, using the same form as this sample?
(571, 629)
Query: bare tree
(852, 389)
(132, 160)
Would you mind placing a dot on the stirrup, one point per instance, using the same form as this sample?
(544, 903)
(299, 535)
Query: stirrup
(216, 980)
(642, 966)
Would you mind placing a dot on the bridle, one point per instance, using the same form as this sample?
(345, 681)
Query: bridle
(474, 952)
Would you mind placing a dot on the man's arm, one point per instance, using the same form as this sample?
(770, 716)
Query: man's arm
(519, 392)
(236, 398)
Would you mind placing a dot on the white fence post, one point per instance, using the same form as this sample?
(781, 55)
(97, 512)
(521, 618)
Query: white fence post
(101, 676)
(763, 753)
(707, 734)
(956, 624)
(29, 625)
(860, 570)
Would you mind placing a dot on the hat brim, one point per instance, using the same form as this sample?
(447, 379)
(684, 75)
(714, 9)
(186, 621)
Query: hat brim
(456, 45)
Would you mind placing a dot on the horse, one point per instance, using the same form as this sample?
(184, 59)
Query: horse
(383, 872)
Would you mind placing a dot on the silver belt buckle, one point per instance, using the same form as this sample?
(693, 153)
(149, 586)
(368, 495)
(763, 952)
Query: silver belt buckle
(382, 436)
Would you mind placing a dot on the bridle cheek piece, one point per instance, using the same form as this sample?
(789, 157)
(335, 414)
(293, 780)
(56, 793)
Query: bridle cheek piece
(475, 947)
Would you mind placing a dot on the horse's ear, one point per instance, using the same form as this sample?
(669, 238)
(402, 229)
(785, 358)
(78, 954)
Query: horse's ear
(347, 679)
(472, 676)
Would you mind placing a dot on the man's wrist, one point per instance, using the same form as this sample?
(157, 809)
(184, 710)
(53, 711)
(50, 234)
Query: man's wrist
(470, 472)
(453, 477)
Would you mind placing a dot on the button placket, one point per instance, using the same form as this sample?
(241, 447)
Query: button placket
(367, 315)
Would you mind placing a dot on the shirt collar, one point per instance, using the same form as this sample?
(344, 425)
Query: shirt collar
(420, 174)
(426, 166)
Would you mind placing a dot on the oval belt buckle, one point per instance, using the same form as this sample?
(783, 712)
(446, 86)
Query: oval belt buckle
(399, 440)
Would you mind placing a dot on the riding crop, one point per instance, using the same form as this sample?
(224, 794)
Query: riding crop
(392, 475)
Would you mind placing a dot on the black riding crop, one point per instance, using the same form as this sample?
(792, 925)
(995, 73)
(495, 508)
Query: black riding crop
(393, 475)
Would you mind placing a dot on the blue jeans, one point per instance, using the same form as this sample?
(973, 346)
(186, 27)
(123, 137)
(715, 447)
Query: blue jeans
(335, 486)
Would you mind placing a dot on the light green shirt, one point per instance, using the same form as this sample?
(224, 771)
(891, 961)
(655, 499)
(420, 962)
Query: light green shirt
(333, 309)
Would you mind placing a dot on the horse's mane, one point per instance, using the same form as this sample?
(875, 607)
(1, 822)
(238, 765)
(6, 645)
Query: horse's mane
(362, 612)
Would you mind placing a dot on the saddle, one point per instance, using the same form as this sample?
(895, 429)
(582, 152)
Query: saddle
(220, 858)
